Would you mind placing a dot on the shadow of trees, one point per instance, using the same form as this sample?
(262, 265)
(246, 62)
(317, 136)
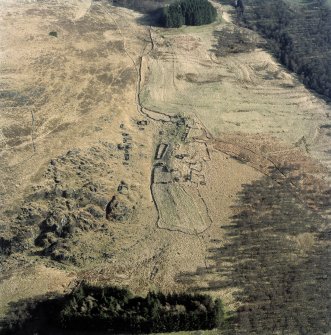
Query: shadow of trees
(277, 257)
(30, 316)
(151, 9)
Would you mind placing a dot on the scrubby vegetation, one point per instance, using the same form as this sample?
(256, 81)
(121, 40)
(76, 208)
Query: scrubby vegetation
(233, 41)
(188, 12)
(299, 35)
(116, 310)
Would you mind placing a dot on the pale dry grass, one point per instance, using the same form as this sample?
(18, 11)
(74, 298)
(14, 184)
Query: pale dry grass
(89, 80)
(246, 93)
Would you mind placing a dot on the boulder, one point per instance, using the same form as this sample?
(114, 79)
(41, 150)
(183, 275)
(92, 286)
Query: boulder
(118, 209)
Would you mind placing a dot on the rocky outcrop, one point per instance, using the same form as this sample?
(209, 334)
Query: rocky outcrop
(118, 209)
(68, 202)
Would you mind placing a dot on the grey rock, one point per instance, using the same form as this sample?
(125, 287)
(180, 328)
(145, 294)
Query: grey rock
(123, 188)
(117, 210)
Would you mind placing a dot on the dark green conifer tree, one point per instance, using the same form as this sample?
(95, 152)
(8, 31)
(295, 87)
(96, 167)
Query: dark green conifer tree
(188, 12)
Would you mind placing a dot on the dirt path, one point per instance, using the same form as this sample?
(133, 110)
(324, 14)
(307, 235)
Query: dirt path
(119, 90)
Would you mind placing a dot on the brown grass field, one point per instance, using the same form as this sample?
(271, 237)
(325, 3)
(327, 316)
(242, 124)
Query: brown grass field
(82, 117)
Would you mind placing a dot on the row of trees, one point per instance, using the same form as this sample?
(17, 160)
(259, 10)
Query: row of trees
(112, 310)
(299, 36)
(119, 311)
(188, 12)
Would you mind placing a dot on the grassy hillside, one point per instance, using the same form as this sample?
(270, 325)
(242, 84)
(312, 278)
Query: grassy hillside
(299, 35)
(164, 160)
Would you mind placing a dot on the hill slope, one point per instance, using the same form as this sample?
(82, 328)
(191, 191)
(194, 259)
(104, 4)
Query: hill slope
(161, 159)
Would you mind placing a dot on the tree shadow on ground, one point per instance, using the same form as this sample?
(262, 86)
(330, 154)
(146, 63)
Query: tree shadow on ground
(151, 10)
(37, 316)
(30, 316)
(152, 18)
(277, 257)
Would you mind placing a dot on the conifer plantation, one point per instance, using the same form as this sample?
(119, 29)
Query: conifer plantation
(188, 12)
(117, 310)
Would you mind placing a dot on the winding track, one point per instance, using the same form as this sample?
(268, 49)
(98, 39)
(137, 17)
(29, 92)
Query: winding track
(146, 112)
(243, 73)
